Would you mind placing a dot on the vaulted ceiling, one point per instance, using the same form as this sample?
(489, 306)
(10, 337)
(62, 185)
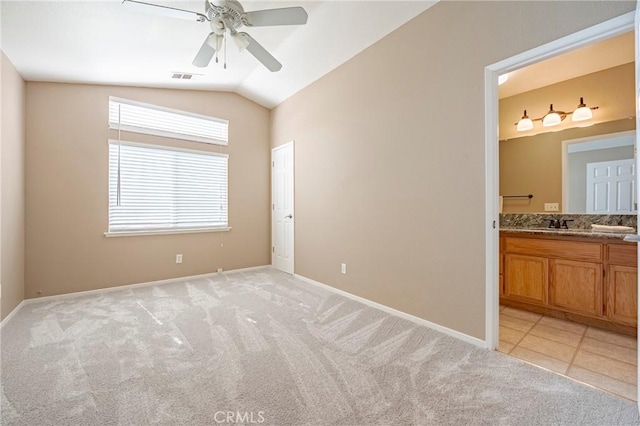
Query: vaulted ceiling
(103, 42)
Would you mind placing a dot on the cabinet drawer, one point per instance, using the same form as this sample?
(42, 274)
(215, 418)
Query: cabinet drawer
(574, 250)
(623, 254)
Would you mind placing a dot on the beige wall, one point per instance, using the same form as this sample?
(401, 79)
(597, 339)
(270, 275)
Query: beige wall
(533, 165)
(389, 156)
(12, 175)
(67, 202)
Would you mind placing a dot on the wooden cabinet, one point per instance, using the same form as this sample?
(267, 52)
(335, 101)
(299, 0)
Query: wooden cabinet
(526, 278)
(622, 283)
(578, 278)
(576, 286)
(622, 297)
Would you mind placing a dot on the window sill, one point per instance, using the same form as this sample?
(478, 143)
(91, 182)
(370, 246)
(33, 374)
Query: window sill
(164, 232)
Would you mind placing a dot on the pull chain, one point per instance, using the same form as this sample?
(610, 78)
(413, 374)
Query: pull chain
(225, 52)
(217, 45)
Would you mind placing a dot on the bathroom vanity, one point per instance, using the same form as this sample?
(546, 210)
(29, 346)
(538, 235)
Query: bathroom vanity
(578, 275)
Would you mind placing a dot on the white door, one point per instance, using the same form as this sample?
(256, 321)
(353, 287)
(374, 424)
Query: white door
(282, 207)
(611, 187)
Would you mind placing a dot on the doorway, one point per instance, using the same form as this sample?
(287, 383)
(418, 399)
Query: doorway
(599, 32)
(282, 206)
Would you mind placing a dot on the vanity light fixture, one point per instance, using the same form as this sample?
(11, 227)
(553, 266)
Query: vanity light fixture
(553, 117)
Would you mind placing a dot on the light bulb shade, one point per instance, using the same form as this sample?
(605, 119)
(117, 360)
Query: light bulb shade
(551, 119)
(215, 41)
(241, 41)
(525, 124)
(582, 112)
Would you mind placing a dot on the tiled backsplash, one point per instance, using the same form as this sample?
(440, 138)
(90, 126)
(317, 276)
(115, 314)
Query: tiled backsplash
(580, 221)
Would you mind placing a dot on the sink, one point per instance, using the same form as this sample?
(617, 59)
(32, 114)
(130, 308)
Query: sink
(550, 230)
(560, 229)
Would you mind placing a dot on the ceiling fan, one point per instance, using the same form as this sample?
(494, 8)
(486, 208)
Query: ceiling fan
(227, 16)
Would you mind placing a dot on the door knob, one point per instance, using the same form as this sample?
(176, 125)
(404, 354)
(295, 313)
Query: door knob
(289, 216)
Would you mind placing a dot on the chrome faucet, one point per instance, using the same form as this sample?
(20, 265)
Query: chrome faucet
(559, 223)
(564, 223)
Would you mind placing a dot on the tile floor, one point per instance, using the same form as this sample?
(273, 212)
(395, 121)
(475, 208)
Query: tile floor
(597, 357)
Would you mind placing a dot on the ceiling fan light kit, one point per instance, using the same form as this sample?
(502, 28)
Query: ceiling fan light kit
(225, 17)
(553, 117)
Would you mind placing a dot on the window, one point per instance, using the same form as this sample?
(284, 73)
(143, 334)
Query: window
(149, 119)
(157, 189)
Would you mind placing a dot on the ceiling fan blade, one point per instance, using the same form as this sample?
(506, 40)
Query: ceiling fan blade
(261, 53)
(170, 12)
(269, 17)
(206, 52)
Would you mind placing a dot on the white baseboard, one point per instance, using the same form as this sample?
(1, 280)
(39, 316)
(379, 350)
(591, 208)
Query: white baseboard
(121, 287)
(12, 313)
(453, 333)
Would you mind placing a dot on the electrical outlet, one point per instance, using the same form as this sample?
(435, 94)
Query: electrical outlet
(343, 268)
(178, 258)
(551, 207)
(219, 270)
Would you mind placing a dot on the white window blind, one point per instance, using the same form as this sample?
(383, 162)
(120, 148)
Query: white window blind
(149, 119)
(155, 188)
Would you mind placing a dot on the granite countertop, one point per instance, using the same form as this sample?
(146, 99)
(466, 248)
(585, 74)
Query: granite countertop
(585, 233)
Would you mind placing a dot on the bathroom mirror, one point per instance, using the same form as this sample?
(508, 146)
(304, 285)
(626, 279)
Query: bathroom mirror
(574, 168)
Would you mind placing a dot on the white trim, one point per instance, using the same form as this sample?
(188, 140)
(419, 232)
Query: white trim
(164, 232)
(604, 30)
(453, 333)
(604, 141)
(167, 147)
(12, 313)
(492, 209)
(124, 287)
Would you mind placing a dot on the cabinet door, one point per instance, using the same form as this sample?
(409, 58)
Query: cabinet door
(622, 294)
(576, 286)
(526, 278)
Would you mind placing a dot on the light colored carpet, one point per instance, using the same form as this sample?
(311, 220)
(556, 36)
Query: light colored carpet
(262, 346)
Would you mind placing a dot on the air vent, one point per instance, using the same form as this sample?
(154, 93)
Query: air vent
(182, 76)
